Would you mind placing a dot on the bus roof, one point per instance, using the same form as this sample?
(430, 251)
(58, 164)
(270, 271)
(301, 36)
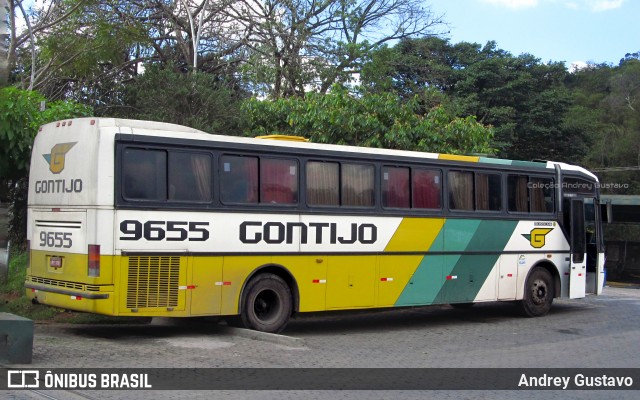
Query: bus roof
(168, 130)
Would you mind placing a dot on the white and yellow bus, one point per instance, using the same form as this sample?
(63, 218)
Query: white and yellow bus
(136, 218)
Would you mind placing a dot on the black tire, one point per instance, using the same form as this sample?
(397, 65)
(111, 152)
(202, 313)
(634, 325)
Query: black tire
(266, 304)
(538, 293)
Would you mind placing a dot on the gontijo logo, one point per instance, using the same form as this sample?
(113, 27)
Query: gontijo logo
(537, 237)
(57, 156)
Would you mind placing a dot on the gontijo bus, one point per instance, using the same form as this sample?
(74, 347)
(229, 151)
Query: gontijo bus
(136, 218)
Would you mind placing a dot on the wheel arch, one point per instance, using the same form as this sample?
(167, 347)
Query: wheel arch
(555, 274)
(282, 272)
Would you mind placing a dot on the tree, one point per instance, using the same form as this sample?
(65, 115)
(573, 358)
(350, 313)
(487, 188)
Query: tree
(372, 120)
(4, 42)
(609, 96)
(201, 101)
(302, 45)
(523, 99)
(20, 118)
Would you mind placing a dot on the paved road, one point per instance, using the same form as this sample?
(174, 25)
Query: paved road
(596, 332)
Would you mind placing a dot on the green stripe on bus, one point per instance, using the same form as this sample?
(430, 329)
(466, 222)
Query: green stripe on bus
(499, 161)
(470, 272)
(425, 285)
(529, 164)
(452, 278)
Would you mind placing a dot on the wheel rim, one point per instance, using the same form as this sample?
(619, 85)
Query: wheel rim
(267, 305)
(539, 292)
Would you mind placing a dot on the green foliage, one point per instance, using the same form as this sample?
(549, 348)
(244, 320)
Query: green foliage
(523, 99)
(18, 192)
(372, 120)
(13, 300)
(20, 118)
(609, 98)
(17, 274)
(199, 100)
(12, 296)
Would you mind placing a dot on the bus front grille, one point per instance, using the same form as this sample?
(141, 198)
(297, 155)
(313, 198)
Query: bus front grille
(153, 282)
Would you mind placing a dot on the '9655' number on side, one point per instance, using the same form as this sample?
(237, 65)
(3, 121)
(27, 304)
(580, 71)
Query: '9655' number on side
(176, 231)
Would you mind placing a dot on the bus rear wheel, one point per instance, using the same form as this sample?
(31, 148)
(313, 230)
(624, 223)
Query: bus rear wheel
(538, 293)
(267, 304)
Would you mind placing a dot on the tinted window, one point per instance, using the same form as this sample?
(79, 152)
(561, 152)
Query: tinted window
(577, 185)
(530, 194)
(239, 179)
(323, 183)
(542, 195)
(395, 187)
(460, 190)
(278, 181)
(357, 185)
(144, 174)
(488, 190)
(517, 187)
(190, 177)
(426, 188)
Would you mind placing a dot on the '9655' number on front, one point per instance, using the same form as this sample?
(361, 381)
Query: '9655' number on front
(177, 231)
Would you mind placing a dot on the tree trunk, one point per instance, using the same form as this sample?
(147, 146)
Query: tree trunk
(4, 43)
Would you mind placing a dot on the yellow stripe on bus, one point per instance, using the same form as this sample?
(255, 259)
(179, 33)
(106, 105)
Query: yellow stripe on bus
(454, 157)
(415, 234)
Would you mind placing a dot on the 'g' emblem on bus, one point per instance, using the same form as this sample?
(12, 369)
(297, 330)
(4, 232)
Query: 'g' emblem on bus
(537, 237)
(56, 157)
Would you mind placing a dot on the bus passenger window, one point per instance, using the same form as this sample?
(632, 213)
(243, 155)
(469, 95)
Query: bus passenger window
(461, 190)
(518, 191)
(144, 174)
(426, 188)
(189, 177)
(239, 179)
(542, 194)
(278, 181)
(323, 183)
(488, 192)
(395, 187)
(357, 185)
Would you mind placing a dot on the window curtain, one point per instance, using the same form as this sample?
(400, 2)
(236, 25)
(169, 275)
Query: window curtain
(395, 187)
(322, 183)
(426, 188)
(482, 192)
(278, 181)
(541, 199)
(357, 185)
(461, 190)
(201, 168)
(522, 194)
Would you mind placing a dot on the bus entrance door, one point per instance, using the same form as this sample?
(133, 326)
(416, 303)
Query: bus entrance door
(578, 262)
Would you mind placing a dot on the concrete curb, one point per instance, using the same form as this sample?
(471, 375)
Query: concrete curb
(628, 285)
(274, 338)
(282, 340)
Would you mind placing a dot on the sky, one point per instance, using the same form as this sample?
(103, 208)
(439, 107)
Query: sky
(570, 31)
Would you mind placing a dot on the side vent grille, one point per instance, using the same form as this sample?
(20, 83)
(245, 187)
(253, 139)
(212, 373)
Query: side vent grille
(62, 284)
(153, 282)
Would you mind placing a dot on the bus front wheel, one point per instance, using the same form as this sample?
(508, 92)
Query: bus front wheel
(267, 304)
(538, 293)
